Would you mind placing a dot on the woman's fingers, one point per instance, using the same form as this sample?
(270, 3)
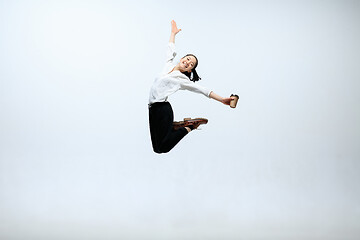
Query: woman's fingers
(174, 28)
(227, 101)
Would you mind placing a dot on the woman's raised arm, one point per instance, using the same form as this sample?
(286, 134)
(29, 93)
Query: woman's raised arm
(174, 31)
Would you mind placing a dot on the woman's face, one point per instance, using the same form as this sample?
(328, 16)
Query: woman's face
(187, 63)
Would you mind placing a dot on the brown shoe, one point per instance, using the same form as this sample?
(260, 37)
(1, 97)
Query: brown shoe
(177, 125)
(196, 122)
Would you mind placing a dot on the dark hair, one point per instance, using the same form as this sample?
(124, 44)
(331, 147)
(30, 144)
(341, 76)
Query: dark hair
(195, 77)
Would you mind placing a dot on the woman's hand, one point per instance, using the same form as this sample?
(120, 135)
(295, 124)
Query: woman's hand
(226, 101)
(174, 28)
(174, 31)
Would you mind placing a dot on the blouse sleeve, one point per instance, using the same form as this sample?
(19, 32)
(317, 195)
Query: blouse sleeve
(170, 55)
(194, 87)
(171, 52)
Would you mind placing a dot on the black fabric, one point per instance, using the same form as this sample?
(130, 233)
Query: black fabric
(163, 136)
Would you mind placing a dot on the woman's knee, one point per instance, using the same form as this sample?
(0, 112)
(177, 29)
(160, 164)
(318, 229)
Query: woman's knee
(162, 149)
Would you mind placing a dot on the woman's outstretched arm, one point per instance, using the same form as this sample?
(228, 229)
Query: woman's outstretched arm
(225, 101)
(174, 31)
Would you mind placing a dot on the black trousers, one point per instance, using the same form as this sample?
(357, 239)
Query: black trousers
(163, 136)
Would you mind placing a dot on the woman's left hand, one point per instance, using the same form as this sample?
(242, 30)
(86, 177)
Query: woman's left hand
(226, 101)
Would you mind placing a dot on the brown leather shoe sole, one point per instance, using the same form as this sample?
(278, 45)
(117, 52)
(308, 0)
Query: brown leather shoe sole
(196, 122)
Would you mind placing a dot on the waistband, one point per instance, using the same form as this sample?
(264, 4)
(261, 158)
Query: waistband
(150, 105)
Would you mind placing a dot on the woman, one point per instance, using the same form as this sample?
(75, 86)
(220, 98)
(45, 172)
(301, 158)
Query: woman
(165, 134)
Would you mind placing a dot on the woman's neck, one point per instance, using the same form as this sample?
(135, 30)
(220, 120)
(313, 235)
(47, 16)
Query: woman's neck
(176, 68)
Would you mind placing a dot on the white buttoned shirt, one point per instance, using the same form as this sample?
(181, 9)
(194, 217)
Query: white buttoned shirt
(168, 82)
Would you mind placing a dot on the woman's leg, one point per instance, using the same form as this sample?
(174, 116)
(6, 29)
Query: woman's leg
(163, 136)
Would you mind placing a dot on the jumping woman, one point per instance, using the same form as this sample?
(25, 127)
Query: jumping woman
(165, 133)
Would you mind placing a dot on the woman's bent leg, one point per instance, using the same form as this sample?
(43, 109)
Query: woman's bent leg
(172, 139)
(163, 136)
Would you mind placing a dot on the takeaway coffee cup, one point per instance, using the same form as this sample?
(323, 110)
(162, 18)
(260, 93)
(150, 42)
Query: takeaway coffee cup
(234, 100)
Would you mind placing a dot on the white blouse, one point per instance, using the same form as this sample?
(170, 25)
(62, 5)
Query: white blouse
(168, 82)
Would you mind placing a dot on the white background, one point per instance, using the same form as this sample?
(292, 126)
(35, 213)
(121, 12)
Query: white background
(76, 157)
